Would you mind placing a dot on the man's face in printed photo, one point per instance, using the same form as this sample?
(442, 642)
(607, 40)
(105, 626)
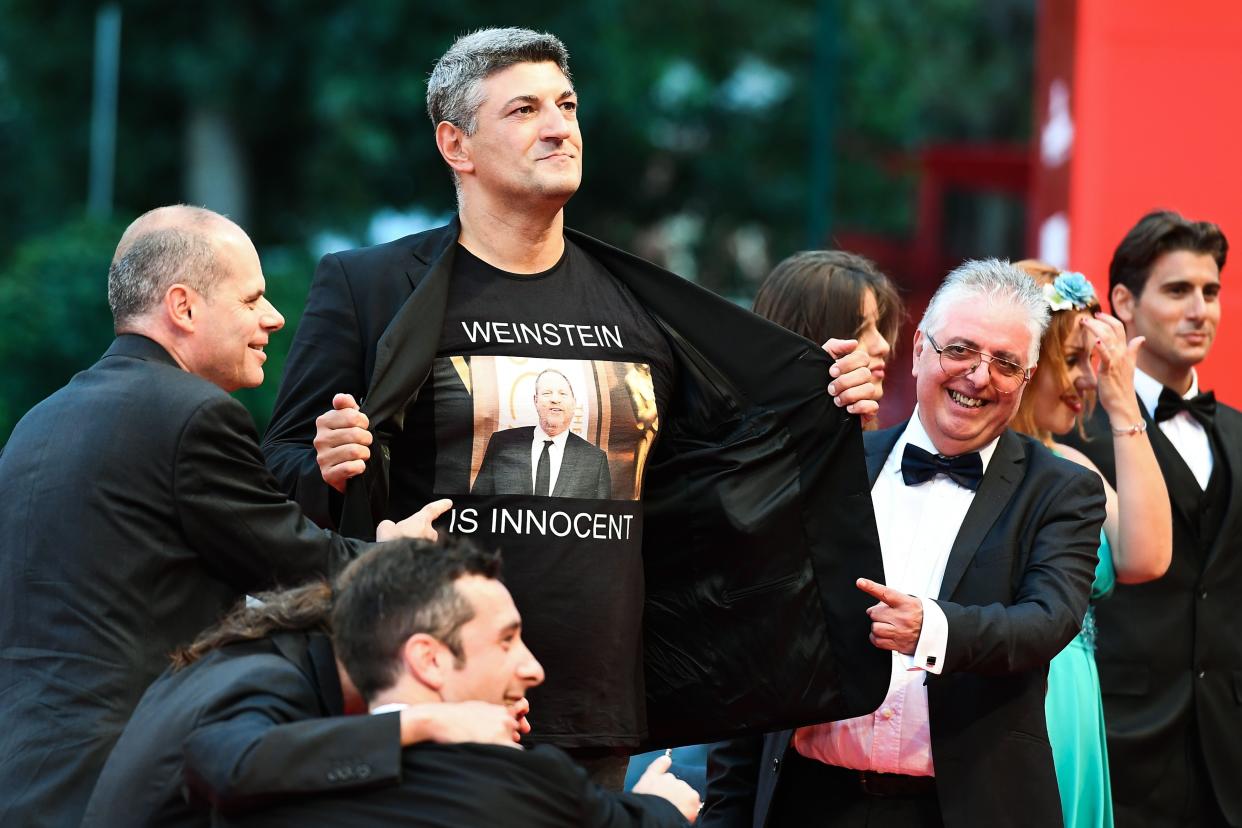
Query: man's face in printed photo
(554, 402)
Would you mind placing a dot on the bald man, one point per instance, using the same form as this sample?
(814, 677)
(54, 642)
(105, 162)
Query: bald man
(135, 508)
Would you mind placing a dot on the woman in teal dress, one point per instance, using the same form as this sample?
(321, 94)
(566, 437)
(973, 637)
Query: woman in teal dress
(1084, 356)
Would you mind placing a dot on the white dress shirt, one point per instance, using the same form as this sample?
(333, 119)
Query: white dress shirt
(555, 452)
(1186, 433)
(917, 526)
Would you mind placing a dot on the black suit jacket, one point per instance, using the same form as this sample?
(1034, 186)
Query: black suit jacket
(506, 467)
(242, 727)
(1169, 652)
(134, 507)
(755, 495)
(1015, 590)
(469, 786)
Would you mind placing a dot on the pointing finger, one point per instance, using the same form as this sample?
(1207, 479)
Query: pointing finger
(436, 508)
(877, 591)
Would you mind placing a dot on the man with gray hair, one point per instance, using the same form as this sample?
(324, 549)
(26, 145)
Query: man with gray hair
(745, 436)
(989, 544)
(135, 508)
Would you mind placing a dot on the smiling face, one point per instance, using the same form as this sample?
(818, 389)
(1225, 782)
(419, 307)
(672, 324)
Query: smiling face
(526, 144)
(495, 665)
(1058, 400)
(1178, 311)
(554, 402)
(869, 336)
(233, 323)
(962, 414)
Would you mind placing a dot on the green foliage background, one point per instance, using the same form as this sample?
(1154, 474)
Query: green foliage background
(327, 101)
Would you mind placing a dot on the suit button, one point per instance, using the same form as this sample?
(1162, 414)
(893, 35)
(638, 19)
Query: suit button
(1202, 673)
(1203, 595)
(332, 776)
(363, 771)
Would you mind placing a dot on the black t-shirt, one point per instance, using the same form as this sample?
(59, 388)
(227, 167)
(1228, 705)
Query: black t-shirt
(542, 407)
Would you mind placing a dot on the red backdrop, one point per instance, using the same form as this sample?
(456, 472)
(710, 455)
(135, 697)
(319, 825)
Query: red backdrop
(1154, 104)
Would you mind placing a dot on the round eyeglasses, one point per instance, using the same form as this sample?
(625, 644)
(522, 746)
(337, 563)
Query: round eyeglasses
(958, 361)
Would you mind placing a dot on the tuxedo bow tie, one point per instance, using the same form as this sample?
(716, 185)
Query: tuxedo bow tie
(917, 466)
(1202, 407)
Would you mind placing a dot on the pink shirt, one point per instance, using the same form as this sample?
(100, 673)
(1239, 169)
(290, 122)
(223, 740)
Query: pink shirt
(917, 526)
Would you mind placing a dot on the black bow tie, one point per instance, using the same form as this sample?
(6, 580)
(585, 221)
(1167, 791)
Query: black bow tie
(918, 466)
(1202, 407)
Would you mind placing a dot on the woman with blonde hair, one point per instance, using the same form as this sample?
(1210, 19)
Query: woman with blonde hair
(1136, 543)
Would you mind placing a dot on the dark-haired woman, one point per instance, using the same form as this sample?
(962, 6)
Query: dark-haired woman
(832, 294)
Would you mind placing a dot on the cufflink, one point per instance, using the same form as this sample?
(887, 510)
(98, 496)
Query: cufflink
(931, 661)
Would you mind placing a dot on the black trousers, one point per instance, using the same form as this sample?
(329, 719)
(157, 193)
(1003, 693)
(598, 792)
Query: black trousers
(811, 793)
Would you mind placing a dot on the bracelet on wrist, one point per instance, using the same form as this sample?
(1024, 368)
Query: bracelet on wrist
(1137, 428)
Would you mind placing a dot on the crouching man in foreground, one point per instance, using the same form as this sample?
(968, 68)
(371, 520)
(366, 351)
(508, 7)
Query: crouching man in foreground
(417, 623)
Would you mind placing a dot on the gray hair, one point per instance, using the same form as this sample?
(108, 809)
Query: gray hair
(991, 282)
(455, 88)
(144, 269)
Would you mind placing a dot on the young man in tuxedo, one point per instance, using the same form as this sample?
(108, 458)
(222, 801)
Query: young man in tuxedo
(1169, 655)
(989, 544)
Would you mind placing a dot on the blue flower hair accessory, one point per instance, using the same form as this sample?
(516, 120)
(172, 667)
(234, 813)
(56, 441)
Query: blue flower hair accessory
(1070, 291)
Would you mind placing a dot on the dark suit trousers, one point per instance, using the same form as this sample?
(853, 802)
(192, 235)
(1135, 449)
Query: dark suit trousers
(1185, 788)
(813, 794)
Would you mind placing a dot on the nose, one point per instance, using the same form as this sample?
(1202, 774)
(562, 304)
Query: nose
(1083, 380)
(555, 125)
(1197, 306)
(980, 379)
(531, 671)
(882, 347)
(270, 318)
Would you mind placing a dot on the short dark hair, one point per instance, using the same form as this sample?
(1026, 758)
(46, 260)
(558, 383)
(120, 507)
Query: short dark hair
(1157, 233)
(819, 293)
(396, 590)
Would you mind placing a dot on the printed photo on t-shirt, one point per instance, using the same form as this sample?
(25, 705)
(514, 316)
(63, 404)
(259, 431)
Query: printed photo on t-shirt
(565, 428)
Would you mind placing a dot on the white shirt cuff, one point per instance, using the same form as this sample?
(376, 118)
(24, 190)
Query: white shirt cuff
(933, 640)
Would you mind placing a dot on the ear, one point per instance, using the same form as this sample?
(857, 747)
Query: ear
(427, 660)
(451, 142)
(1121, 301)
(180, 305)
(916, 352)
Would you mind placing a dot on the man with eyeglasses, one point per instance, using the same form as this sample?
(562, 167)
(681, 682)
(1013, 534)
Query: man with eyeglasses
(989, 543)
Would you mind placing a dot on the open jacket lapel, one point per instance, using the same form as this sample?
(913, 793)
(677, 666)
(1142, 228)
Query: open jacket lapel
(1001, 480)
(878, 446)
(394, 380)
(403, 359)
